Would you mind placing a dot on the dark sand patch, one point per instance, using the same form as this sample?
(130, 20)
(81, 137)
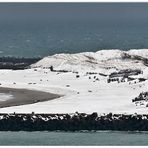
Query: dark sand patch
(24, 96)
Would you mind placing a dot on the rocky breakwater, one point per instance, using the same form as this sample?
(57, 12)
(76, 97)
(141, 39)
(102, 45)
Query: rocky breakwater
(73, 122)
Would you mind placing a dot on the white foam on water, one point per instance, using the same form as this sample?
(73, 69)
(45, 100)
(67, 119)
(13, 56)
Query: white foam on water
(5, 96)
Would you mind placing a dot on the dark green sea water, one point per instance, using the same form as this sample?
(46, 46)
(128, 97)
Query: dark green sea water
(74, 138)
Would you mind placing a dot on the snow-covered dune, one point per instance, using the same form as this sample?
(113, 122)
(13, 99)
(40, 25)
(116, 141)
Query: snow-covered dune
(105, 59)
(104, 81)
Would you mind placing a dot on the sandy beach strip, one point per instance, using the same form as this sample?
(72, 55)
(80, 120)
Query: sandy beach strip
(24, 96)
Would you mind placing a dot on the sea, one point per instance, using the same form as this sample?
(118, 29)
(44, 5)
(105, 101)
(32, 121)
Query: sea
(39, 30)
(99, 138)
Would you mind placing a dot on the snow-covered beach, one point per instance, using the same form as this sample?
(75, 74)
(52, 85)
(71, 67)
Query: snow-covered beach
(103, 82)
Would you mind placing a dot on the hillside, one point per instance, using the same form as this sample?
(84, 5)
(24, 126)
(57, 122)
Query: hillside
(103, 82)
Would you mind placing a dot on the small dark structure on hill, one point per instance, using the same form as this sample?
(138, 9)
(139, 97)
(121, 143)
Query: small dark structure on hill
(51, 68)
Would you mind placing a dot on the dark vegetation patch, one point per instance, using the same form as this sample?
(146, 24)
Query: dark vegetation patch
(125, 73)
(102, 74)
(136, 58)
(16, 63)
(142, 79)
(142, 96)
(91, 73)
(53, 70)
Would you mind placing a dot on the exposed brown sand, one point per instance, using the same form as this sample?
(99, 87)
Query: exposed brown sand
(24, 96)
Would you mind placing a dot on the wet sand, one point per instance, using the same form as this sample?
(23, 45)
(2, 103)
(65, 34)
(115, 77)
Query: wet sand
(24, 96)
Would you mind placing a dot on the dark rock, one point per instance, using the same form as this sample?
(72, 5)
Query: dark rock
(77, 76)
(76, 122)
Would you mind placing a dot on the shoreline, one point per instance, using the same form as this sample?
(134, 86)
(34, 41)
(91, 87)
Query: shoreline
(25, 96)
